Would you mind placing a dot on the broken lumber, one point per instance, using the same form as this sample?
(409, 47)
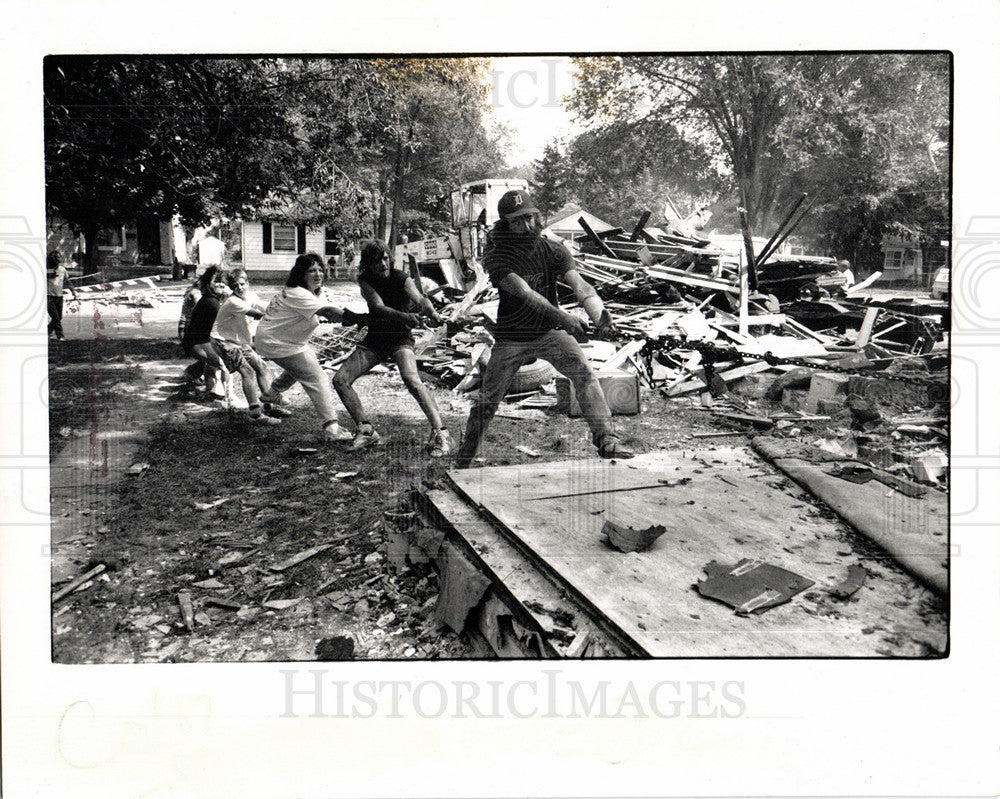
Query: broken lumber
(301, 556)
(78, 581)
(640, 226)
(595, 238)
(864, 334)
(728, 374)
(863, 284)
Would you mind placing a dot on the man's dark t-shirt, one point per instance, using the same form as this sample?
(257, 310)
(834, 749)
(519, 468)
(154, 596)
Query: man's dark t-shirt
(539, 262)
(385, 334)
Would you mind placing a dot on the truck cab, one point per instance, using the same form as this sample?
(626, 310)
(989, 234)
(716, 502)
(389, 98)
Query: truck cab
(474, 211)
(447, 260)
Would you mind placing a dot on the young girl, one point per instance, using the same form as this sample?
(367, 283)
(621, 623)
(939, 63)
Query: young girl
(197, 335)
(391, 296)
(283, 337)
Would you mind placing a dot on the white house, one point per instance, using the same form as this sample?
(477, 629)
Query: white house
(269, 249)
(565, 225)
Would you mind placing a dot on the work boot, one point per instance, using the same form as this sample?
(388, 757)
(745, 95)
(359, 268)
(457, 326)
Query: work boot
(365, 437)
(440, 443)
(610, 447)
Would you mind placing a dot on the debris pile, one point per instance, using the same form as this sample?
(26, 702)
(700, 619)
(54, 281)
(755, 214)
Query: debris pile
(777, 359)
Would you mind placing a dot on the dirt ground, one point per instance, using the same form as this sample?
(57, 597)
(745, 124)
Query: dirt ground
(215, 503)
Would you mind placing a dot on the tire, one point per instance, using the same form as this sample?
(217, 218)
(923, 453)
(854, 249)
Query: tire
(533, 375)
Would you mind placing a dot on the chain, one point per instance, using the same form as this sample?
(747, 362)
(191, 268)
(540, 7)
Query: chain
(712, 353)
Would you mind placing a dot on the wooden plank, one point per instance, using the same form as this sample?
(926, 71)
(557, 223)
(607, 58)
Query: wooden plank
(78, 581)
(619, 358)
(797, 327)
(863, 284)
(776, 319)
(595, 238)
(877, 336)
(865, 333)
(640, 225)
(728, 374)
(749, 514)
(515, 579)
(294, 560)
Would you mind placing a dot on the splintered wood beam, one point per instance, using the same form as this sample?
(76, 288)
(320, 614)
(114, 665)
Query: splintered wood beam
(727, 374)
(640, 226)
(623, 354)
(866, 327)
(595, 238)
(863, 284)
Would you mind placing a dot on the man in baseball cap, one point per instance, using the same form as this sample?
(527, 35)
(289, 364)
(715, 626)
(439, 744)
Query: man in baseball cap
(524, 266)
(516, 203)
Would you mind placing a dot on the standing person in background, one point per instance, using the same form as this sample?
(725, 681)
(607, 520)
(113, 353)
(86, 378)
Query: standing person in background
(283, 336)
(57, 278)
(524, 267)
(211, 249)
(844, 267)
(392, 296)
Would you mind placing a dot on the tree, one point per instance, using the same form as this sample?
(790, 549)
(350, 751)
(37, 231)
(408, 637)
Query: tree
(435, 137)
(621, 170)
(549, 179)
(856, 127)
(129, 140)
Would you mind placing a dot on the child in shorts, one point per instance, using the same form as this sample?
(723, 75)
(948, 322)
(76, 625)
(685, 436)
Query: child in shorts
(232, 337)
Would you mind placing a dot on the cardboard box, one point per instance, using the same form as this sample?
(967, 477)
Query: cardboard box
(621, 390)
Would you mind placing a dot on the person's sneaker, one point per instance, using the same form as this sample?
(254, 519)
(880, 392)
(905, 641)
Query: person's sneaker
(276, 410)
(193, 373)
(261, 418)
(440, 444)
(365, 437)
(335, 433)
(612, 448)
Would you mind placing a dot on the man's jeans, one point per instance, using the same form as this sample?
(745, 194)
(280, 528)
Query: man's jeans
(561, 350)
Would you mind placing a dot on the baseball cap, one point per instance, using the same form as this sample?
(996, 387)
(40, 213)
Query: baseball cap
(516, 203)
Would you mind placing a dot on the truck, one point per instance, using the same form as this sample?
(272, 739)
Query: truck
(452, 260)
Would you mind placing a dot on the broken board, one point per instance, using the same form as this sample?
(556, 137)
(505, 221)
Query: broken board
(734, 506)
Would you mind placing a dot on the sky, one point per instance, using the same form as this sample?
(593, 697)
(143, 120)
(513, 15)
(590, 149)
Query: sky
(528, 96)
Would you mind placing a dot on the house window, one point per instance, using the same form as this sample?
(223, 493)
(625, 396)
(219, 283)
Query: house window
(893, 260)
(109, 237)
(332, 246)
(283, 238)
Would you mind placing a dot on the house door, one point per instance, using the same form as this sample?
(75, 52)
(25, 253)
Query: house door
(148, 241)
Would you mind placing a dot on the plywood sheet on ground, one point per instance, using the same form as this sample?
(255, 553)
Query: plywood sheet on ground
(732, 506)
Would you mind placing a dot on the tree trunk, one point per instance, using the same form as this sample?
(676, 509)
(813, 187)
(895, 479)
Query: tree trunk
(399, 172)
(90, 263)
(380, 222)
